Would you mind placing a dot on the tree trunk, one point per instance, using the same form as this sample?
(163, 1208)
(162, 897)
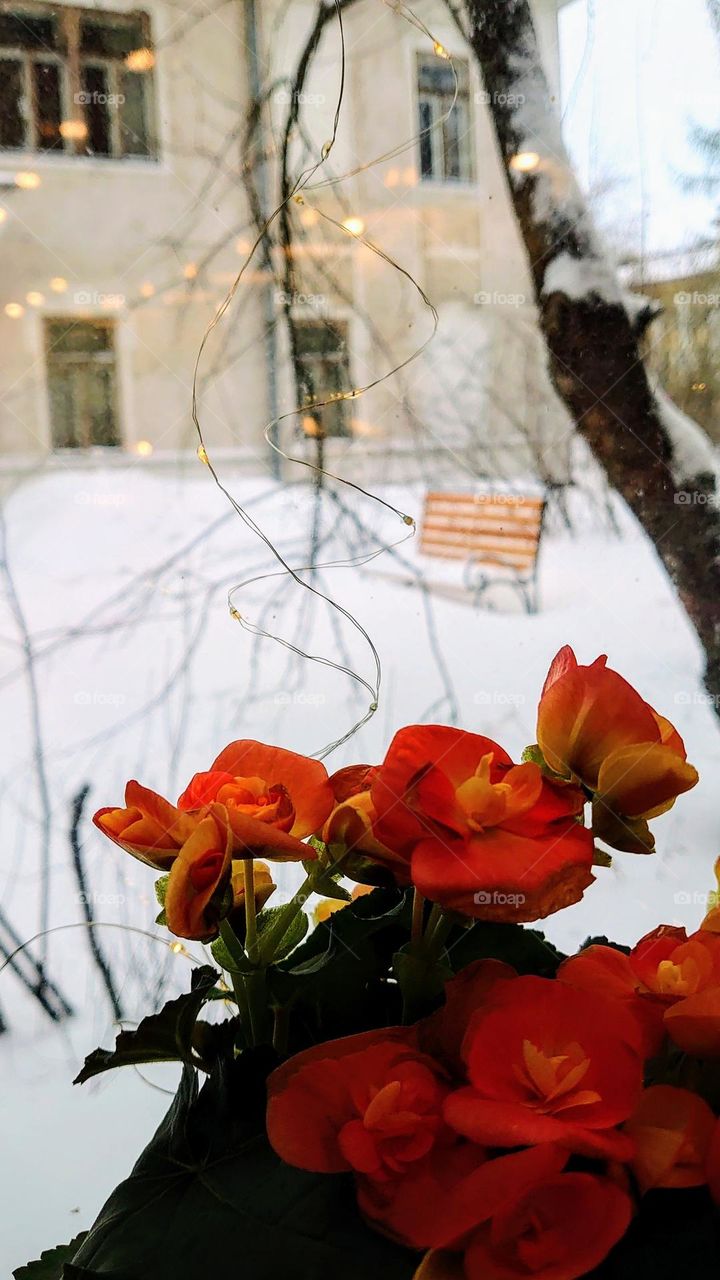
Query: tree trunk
(657, 459)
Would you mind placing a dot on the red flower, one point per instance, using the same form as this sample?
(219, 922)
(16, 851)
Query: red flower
(593, 727)
(349, 828)
(368, 1103)
(559, 1229)
(480, 835)
(269, 798)
(547, 1063)
(672, 1130)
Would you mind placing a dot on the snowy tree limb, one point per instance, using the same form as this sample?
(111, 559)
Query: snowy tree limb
(652, 455)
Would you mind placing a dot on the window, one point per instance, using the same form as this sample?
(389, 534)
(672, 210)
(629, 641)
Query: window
(446, 134)
(322, 347)
(75, 81)
(82, 382)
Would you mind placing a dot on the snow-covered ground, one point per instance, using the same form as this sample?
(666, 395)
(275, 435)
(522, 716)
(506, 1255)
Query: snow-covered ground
(121, 577)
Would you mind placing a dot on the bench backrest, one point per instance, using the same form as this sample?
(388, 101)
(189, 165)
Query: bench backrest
(495, 528)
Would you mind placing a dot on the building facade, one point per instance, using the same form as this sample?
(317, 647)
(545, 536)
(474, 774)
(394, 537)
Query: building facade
(131, 189)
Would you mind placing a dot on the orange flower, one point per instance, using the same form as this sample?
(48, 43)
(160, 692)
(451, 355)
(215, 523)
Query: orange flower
(547, 1063)
(198, 881)
(672, 1130)
(594, 728)
(350, 825)
(712, 919)
(480, 835)
(558, 1229)
(264, 884)
(149, 827)
(670, 982)
(368, 1103)
(270, 799)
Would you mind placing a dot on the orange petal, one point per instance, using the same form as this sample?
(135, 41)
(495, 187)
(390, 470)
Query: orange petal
(305, 780)
(643, 780)
(694, 1023)
(585, 714)
(250, 837)
(672, 1130)
(199, 872)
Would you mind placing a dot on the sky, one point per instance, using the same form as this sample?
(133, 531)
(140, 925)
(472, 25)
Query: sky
(636, 75)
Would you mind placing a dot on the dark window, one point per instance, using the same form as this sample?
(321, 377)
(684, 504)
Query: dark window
(446, 152)
(324, 362)
(82, 382)
(76, 81)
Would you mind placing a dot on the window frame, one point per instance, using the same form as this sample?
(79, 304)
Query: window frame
(68, 360)
(72, 63)
(467, 146)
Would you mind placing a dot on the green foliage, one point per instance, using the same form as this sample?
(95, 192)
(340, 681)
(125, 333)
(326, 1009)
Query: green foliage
(166, 1036)
(209, 1197)
(49, 1265)
(292, 937)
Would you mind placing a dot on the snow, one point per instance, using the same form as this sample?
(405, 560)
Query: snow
(694, 453)
(123, 576)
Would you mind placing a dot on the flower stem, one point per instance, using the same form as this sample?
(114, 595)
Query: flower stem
(272, 937)
(251, 939)
(418, 909)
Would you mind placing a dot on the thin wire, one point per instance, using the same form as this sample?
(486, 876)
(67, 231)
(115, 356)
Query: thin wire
(301, 183)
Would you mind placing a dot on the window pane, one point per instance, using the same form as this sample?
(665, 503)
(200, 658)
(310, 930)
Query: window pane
(426, 147)
(110, 37)
(12, 122)
(97, 111)
(27, 31)
(323, 353)
(82, 383)
(48, 105)
(134, 139)
(452, 146)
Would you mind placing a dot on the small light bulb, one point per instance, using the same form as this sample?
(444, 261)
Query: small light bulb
(177, 948)
(202, 454)
(14, 310)
(525, 161)
(58, 284)
(440, 50)
(355, 226)
(147, 289)
(190, 270)
(140, 60)
(143, 448)
(3, 214)
(34, 299)
(73, 130)
(26, 180)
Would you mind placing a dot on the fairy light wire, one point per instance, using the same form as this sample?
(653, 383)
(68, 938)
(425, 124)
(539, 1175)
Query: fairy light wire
(301, 183)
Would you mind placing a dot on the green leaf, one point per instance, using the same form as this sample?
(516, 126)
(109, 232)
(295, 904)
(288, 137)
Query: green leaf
(323, 880)
(527, 950)
(161, 889)
(162, 1037)
(223, 957)
(533, 755)
(293, 935)
(49, 1265)
(210, 1198)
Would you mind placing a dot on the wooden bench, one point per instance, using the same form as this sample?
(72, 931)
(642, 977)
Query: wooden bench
(497, 534)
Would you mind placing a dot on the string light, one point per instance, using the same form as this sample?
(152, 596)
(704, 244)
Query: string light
(14, 310)
(140, 60)
(147, 289)
(143, 448)
(3, 214)
(440, 50)
(202, 454)
(34, 299)
(525, 161)
(355, 226)
(178, 949)
(190, 270)
(58, 284)
(26, 180)
(73, 130)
